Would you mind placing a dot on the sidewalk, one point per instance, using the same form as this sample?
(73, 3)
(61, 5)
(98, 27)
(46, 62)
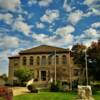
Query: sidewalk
(19, 90)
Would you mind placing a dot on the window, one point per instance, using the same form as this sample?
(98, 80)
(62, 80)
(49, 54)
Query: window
(24, 61)
(31, 60)
(64, 59)
(15, 62)
(43, 75)
(38, 60)
(57, 59)
(49, 60)
(43, 60)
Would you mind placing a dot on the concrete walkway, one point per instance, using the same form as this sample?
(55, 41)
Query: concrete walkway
(19, 90)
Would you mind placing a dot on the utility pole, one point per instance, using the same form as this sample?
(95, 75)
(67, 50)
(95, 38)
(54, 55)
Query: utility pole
(55, 68)
(70, 72)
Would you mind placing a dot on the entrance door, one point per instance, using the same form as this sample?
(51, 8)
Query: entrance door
(43, 75)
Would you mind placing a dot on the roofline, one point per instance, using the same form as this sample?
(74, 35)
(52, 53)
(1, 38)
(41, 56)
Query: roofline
(21, 52)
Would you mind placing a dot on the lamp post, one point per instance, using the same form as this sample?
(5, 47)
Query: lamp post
(86, 67)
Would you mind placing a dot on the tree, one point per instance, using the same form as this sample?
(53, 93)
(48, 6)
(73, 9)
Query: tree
(78, 53)
(94, 60)
(23, 74)
(4, 77)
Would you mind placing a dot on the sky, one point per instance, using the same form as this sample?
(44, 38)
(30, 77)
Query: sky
(29, 23)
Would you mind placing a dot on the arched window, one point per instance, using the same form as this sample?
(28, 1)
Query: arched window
(64, 59)
(31, 60)
(38, 60)
(57, 59)
(43, 60)
(24, 61)
(49, 60)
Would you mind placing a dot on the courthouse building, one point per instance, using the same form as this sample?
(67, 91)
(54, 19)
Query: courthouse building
(45, 61)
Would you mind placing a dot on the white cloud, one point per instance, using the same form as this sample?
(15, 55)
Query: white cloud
(45, 2)
(10, 5)
(20, 18)
(22, 27)
(75, 17)
(89, 2)
(93, 7)
(40, 25)
(63, 31)
(8, 42)
(50, 16)
(62, 37)
(40, 2)
(66, 6)
(7, 18)
(88, 36)
(96, 25)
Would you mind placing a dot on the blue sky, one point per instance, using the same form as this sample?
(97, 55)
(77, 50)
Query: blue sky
(28, 23)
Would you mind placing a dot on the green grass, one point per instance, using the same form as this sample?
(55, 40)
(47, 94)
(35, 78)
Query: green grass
(46, 96)
(50, 96)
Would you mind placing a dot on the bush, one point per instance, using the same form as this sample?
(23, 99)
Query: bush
(55, 87)
(32, 88)
(23, 84)
(2, 98)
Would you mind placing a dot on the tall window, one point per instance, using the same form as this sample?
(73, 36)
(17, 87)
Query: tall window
(49, 60)
(64, 59)
(31, 60)
(38, 60)
(43, 60)
(24, 61)
(57, 59)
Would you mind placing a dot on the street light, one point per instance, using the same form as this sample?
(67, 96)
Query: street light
(86, 67)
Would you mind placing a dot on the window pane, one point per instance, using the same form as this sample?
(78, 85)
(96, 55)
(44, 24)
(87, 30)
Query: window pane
(43, 60)
(31, 60)
(64, 59)
(38, 60)
(24, 61)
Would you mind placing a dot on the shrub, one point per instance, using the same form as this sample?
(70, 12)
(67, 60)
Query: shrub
(32, 88)
(2, 98)
(55, 87)
(23, 84)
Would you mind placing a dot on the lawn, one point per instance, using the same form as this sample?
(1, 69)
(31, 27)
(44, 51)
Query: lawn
(50, 96)
(47, 96)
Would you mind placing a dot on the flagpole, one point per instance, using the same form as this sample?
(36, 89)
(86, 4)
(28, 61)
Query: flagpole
(55, 68)
(70, 73)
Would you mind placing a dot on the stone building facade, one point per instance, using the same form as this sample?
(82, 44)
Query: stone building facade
(43, 60)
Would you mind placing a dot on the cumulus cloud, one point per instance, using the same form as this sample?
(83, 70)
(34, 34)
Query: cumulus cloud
(22, 27)
(8, 42)
(7, 18)
(75, 17)
(88, 36)
(50, 16)
(67, 6)
(61, 37)
(40, 25)
(96, 25)
(93, 7)
(90, 2)
(40, 2)
(63, 31)
(10, 5)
